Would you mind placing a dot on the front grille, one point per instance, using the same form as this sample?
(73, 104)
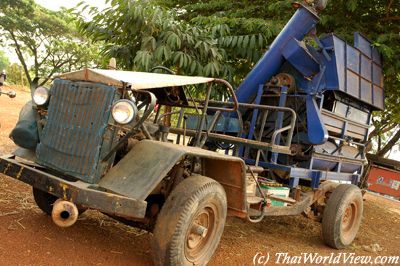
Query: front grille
(78, 115)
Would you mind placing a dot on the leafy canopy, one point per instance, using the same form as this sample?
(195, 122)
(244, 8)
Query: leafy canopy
(4, 61)
(46, 42)
(378, 19)
(15, 75)
(225, 38)
(142, 36)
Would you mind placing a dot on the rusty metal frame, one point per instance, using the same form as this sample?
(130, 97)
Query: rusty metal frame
(300, 206)
(78, 192)
(139, 173)
(201, 135)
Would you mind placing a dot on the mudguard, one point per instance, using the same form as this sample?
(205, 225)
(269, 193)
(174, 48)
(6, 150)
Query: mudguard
(25, 133)
(143, 168)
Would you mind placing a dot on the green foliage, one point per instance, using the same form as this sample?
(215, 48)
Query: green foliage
(243, 29)
(226, 38)
(142, 36)
(49, 39)
(16, 75)
(4, 62)
(377, 19)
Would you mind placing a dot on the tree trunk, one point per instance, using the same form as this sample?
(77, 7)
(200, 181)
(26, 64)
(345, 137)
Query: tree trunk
(18, 50)
(381, 130)
(389, 145)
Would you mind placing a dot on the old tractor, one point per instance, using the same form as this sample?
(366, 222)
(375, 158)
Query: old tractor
(141, 148)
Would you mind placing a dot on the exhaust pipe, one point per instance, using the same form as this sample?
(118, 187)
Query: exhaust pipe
(64, 213)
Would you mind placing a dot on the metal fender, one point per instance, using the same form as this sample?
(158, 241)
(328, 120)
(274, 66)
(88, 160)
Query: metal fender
(143, 168)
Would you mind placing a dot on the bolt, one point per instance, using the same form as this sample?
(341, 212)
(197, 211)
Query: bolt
(199, 230)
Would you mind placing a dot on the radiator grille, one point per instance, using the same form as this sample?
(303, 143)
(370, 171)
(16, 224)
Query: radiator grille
(78, 115)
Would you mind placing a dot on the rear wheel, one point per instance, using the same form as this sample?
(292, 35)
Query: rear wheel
(190, 224)
(342, 216)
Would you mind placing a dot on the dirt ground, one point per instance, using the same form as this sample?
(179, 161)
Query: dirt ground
(28, 237)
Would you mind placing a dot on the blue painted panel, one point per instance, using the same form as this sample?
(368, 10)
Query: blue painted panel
(298, 27)
(353, 59)
(363, 44)
(339, 62)
(377, 75)
(78, 114)
(366, 68)
(378, 97)
(317, 133)
(297, 54)
(376, 56)
(354, 71)
(353, 84)
(366, 90)
(224, 123)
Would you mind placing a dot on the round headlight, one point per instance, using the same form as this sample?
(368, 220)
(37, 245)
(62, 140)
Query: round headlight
(41, 96)
(124, 111)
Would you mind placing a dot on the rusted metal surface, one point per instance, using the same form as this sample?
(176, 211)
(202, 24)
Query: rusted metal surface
(384, 181)
(138, 80)
(231, 175)
(281, 199)
(306, 201)
(142, 169)
(78, 192)
(294, 209)
(78, 115)
(384, 162)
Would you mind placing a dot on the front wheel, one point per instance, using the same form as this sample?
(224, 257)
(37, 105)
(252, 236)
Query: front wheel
(342, 216)
(45, 201)
(190, 224)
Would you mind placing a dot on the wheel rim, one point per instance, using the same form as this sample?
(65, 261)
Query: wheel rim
(349, 220)
(200, 233)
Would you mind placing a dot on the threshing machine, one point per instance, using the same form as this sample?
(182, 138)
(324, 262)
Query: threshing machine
(141, 149)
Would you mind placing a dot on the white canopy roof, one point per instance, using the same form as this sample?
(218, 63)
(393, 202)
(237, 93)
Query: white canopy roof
(138, 80)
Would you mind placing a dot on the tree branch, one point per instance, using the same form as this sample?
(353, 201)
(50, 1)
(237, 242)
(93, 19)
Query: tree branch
(377, 131)
(389, 6)
(391, 18)
(389, 145)
(18, 50)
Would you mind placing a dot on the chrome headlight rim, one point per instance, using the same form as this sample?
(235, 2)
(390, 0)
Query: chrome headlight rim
(125, 104)
(41, 96)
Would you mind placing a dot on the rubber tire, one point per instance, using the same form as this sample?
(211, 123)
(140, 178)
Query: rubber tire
(177, 214)
(333, 214)
(44, 200)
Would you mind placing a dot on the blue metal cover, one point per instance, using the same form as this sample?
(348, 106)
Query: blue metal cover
(297, 54)
(357, 70)
(78, 115)
(224, 124)
(297, 28)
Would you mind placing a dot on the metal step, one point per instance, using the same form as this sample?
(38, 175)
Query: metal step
(254, 200)
(254, 213)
